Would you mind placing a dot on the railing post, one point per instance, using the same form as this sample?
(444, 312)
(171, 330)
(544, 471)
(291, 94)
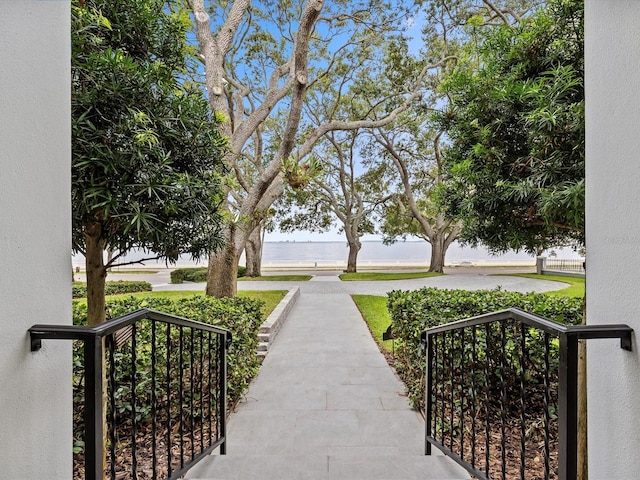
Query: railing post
(93, 414)
(428, 398)
(225, 343)
(568, 408)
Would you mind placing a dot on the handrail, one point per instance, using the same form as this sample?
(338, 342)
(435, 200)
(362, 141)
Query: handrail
(186, 388)
(476, 370)
(582, 332)
(82, 332)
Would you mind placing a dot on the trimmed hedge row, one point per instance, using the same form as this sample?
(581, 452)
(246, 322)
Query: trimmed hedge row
(414, 311)
(241, 316)
(196, 274)
(79, 289)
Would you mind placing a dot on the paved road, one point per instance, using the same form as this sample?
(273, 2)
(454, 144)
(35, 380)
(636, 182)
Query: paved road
(328, 282)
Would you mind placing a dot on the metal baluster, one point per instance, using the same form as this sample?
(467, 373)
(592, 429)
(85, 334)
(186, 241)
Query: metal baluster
(223, 393)
(168, 379)
(523, 426)
(112, 407)
(217, 387)
(547, 401)
(487, 396)
(428, 394)
(436, 388)
(462, 368)
(191, 380)
(202, 445)
(474, 359)
(503, 399)
(134, 428)
(452, 388)
(442, 390)
(154, 403)
(210, 357)
(181, 396)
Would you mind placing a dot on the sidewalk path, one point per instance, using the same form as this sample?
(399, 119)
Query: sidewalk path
(325, 406)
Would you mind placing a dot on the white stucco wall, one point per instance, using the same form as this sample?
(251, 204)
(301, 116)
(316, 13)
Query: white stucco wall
(613, 233)
(35, 268)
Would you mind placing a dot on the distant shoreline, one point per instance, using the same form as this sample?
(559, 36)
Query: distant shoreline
(298, 255)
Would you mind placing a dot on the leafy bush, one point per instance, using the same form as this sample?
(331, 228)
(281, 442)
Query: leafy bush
(197, 274)
(241, 316)
(79, 289)
(414, 311)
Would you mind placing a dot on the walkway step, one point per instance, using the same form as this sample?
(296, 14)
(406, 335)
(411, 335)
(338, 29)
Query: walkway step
(332, 467)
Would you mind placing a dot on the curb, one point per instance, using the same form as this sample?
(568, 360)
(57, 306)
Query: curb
(274, 322)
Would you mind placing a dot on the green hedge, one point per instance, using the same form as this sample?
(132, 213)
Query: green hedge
(241, 316)
(196, 274)
(413, 311)
(79, 289)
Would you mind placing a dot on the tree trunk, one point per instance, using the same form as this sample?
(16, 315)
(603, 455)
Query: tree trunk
(253, 252)
(354, 248)
(96, 275)
(222, 275)
(438, 251)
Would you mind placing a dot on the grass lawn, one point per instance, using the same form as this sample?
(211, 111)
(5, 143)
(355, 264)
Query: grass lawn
(576, 288)
(347, 277)
(277, 278)
(124, 271)
(271, 298)
(375, 313)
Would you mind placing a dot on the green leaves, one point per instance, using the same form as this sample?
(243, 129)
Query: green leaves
(516, 165)
(147, 153)
(413, 311)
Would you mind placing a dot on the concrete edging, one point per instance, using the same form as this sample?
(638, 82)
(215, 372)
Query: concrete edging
(274, 322)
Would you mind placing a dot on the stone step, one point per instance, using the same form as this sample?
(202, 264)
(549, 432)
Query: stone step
(327, 467)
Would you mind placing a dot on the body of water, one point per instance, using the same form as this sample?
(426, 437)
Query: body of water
(410, 253)
(372, 254)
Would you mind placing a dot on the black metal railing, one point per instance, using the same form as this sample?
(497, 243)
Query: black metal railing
(501, 393)
(162, 379)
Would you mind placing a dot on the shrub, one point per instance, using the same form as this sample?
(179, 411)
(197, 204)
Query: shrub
(414, 311)
(241, 316)
(197, 274)
(79, 289)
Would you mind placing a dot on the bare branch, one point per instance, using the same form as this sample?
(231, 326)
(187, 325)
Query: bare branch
(500, 13)
(320, 131)
(133, 262)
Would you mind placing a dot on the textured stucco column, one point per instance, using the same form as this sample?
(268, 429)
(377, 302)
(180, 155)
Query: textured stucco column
(613, 233)
(35, 267)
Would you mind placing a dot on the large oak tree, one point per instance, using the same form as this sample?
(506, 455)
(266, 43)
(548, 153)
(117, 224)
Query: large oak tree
(261, 59)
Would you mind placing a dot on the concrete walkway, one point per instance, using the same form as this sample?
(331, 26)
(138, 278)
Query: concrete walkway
(325, 405)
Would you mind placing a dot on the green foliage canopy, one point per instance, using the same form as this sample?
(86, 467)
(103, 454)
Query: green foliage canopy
(146, 152)
(515, 169)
